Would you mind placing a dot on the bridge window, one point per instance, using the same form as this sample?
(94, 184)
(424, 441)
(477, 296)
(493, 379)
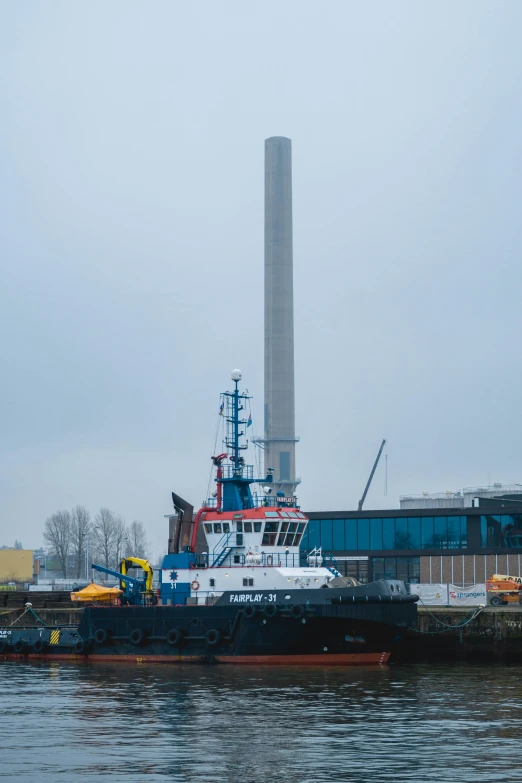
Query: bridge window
(239, 527)
(217, 527)
(271, 514)
(226, 527)
(208, 527)
(248, 527)
(271, 527)
(257, 527)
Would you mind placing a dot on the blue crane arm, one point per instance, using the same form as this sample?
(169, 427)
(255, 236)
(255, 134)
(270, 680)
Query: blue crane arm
(122, 577)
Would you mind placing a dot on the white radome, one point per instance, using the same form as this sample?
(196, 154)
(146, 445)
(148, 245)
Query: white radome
(236, 375)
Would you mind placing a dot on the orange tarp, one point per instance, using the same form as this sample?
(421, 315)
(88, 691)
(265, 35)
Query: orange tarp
(97, 593)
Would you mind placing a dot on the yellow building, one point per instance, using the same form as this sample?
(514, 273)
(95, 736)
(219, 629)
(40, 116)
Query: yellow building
(16, 565)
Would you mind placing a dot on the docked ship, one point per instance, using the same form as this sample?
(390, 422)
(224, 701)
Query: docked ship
(250, 596)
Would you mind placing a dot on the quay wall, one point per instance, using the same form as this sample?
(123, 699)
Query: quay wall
(494, 635)
(66, 616)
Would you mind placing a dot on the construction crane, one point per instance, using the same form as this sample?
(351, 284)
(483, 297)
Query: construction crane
(367, 487)
(136, 590)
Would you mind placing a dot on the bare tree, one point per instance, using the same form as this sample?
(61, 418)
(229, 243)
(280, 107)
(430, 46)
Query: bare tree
(121, 536)
(103, 534)
(18, 544)
(138, 539)
(80, 537)
(58, 534)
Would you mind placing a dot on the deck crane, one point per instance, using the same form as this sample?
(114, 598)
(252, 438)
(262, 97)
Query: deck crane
(367, 487)
(136, 590)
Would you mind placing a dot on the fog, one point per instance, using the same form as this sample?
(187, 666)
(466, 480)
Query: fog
(131, 245)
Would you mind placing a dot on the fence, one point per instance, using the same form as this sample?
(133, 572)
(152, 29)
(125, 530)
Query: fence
(450, 595)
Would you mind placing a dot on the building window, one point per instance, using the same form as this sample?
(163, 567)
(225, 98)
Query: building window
(501, 530)
(375, 533)
(314, 533)
(350, 534)
(338, 534)
(363, 533)
(404, 569)
(326, 535)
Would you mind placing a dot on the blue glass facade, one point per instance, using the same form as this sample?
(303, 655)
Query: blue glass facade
(406, 569)
(389, 533)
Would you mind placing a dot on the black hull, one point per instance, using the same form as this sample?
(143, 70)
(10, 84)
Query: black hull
(316, 626)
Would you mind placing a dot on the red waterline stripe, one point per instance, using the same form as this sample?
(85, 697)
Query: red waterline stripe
(335, 659)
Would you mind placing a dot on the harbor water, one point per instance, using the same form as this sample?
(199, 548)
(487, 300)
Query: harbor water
(215, 724)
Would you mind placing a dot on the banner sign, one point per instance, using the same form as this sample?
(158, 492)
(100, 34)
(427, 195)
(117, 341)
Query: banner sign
(467, 596)
(431, 595)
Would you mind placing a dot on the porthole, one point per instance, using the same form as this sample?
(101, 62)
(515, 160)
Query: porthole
(287, 597)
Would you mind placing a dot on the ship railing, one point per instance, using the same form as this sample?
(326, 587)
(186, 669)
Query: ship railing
(259, 501)
(242, 559)
(242, 471)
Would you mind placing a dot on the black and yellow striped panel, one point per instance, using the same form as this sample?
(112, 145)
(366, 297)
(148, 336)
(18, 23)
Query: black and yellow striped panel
(55, 637)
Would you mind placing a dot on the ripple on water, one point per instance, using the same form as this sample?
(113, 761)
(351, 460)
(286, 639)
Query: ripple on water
(220, 724)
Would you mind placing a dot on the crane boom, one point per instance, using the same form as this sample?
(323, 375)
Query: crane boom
(367, 487)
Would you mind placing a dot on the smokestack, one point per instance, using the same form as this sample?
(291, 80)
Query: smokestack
(279, 440)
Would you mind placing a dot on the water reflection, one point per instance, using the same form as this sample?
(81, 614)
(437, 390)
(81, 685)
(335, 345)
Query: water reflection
(216, 724)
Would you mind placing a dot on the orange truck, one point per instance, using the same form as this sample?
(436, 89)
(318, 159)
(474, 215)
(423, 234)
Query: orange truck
(503, 589)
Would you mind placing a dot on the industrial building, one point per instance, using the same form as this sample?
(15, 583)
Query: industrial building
(423, 544)
(16, 565)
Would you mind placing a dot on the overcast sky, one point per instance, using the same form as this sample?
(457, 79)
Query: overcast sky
(131, 241)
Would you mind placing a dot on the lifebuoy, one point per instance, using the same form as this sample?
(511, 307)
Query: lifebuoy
(195, 585)
(175, 637)
(213, 637)
(137, 636)
(39, 645)
(101, 636)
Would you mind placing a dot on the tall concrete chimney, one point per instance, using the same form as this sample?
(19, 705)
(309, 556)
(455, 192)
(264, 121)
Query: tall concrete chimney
(279, 440)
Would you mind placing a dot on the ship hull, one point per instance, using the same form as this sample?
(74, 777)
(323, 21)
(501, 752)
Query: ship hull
(309, 627)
